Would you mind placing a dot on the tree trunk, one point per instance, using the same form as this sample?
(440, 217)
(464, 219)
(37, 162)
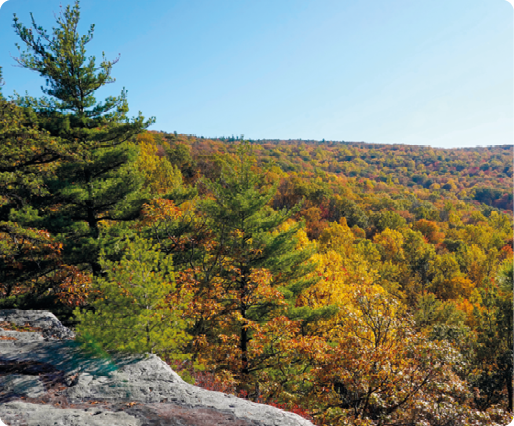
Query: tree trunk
(244, 351)
(244, 337)
(509, 391)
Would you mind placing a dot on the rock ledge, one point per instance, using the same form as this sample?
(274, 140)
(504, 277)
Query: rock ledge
(46, 379)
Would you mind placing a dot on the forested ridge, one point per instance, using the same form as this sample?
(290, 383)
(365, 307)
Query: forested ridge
(352, 283)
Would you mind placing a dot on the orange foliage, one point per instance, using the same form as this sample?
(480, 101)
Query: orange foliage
(430, 230)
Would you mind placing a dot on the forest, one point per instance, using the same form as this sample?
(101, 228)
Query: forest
(351, 283)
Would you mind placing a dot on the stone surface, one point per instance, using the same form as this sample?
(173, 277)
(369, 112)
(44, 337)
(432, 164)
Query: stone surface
(21, 413)
(55, 382)
(51, 327)
(19, 384)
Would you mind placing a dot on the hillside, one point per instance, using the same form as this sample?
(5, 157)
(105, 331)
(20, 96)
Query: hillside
(344, 282)
(349, 283)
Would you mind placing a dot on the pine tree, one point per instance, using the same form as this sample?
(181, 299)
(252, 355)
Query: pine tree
(138, 308)
(252, 271)
(2, 82)
(28, 255)
(95, 181)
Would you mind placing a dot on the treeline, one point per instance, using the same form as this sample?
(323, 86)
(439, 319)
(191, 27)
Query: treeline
(482, 174)
(327, 278)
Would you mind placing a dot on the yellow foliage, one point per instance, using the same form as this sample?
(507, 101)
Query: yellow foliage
(159, 174)
(479, 235)
(454, 288)
(338, 237)
(392, 243)
(341, 281)
(301, 235)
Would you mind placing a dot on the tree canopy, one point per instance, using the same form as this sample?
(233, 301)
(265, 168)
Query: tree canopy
(354, 283)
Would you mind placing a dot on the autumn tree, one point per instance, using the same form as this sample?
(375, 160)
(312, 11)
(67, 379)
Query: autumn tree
(493, 373)
(429, 229)
(420, 256)
(369, 365)
(160, 177)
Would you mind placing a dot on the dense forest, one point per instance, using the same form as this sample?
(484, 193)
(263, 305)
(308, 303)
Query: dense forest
(352, 283)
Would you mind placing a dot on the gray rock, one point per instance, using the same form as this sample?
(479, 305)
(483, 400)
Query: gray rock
(24, 336)
(144, 387)
(21, 413)
(22, 385)
(51, 327)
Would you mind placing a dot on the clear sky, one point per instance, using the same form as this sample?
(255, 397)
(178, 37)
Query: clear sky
(433, 72)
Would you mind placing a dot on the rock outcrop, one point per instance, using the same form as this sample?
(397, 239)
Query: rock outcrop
(46, 379)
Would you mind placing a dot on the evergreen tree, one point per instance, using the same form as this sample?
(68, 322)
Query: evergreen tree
(28, 256)
(95, 181)
(138, 308)
(252, 271)
(1, 83)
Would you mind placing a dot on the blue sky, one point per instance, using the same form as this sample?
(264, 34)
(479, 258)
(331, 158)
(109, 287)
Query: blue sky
(436, 72)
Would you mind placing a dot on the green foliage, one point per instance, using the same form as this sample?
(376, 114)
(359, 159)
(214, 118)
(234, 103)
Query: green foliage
(28, 255)
(388, 219)
(95, 179)
(138, 307)
(1, 83)
(505, 277)
(27, 157)
(441, 319)
(60, 58)
(250, 276)
(248, 230)
(400, 222)
(349, 209)
(180, 156)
